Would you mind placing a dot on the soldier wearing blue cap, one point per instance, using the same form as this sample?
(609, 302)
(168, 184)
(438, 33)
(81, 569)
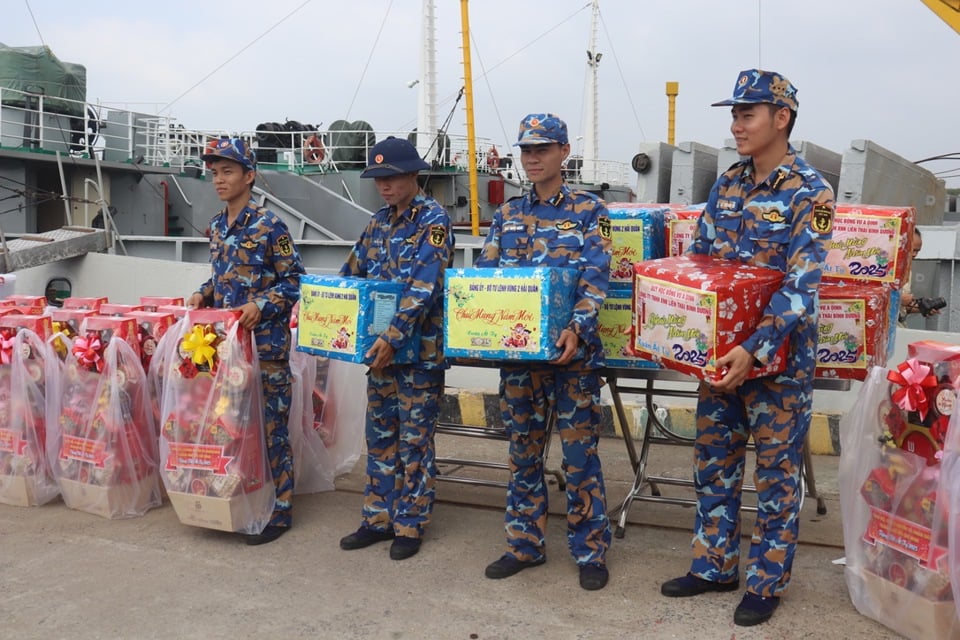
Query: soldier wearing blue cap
(772, 210)
(256, 268)
(554, 226)
(409, 241)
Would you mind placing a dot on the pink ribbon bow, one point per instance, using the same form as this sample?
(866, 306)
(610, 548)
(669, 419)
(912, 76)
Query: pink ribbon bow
(88, 351)
(7, 338)
(914, 379)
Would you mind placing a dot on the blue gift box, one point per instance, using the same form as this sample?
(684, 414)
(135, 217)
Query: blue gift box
(507, 314)
(637, 232)
(614, 322)
(341, 317)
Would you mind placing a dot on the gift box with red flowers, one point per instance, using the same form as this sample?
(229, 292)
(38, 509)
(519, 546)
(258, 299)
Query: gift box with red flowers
(895, 493)
(680, 225)
(28, 376)
(105, 448)
(852, 330)
(688, 311)
(213, 454)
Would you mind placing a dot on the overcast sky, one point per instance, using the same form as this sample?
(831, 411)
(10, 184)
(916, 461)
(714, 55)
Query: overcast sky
(884, 70)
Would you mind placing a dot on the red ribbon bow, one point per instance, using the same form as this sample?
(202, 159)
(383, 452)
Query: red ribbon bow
(88, 351)
(914, 379)
(7, 339)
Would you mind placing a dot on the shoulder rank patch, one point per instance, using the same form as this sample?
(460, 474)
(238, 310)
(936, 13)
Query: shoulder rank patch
(438, 233)
(566, 225)
(284, 246)
(604, 225)
(772, 215)
(822, 219)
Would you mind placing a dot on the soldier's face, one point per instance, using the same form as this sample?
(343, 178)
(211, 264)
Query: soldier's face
(755, 128)
(542, 162)
(230, 180)
(397, 190)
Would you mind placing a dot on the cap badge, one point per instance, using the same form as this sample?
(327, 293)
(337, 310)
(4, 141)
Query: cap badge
(534, 122)
(378, 158)
(743, 80)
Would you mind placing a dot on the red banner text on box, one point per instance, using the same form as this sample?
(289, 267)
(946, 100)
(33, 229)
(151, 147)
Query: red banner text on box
(11, 442)
(84, 450)
(206, 457)
(905, 536)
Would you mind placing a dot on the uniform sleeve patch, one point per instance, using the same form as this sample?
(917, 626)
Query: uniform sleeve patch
(604, 225)
(284, 246)
(438, 234)
(822, 219)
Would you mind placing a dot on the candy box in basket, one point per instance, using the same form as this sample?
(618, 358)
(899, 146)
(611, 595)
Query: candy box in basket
(66, 327)
(88, 304)
(870, 243)
(27, 375)
(691, 310)
(212, 443)
(151, 326)
(341, 317)
(680, 226)
(637, 234)
(150, 303)
(852, 329)
(114, 309)
(36, 303)
(507, 314)
(614, 322)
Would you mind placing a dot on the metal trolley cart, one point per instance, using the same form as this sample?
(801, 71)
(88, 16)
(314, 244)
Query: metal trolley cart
(650, 383)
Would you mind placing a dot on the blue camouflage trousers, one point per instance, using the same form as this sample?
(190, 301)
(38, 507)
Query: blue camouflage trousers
(277, 394)
(526, 398)
(777, 416)
(403, 406)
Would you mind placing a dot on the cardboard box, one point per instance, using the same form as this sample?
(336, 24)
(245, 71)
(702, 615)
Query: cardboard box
(178, 310)
(115, 501)
(150, 303)
(341, 318)
(910, 614)
(37, 303)
(507, 314)
(691, 310)
(870, 243)
(18, 491)
(151, 326)
(852, 330)
(615, 321)
(680, 226)
(88, 304)
(107, 327)
(112, 309)
(637, 234)
(222, 514)
(39, 324)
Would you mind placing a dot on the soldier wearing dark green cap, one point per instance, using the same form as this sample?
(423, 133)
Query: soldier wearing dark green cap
(771, 210)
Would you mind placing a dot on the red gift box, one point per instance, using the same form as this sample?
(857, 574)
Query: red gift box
(150, 303)
(114, 309)
(178, 310)
(688, 311)
(89, 304)
(852, 330)
(870, 243)
(151, 327)
(39, 324)
(37, 303)
(679, 228)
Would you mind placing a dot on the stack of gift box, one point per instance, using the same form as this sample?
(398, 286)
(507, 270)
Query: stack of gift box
(213, 453)
(896, 494)
(27, 376)
(105, 443)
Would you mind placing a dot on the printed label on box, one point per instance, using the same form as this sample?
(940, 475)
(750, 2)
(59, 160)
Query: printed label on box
(484, 318)
(384, 310)
(328, 318)
(628, 247)
(863, 247)
(681, 233)
(11, 442)
(206, 457)
(842, 334)
(84, 450)
(676, 322)
(907, 537)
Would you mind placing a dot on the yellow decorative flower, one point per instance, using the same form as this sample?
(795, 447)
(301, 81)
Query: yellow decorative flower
(198, 345)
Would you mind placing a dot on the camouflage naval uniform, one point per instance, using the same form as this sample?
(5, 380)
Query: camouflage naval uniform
(403, 400)
(781, 222)
(569, 230)
(255, 260)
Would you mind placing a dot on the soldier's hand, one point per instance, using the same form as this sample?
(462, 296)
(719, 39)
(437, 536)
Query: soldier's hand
(568, 341)
(249, 315)
(737, 364)
(195, 301)
(382, 354)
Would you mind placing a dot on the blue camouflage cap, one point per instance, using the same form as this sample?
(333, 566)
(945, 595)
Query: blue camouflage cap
(232, 149)
(393, 157)
(755, 86)
(541, 128)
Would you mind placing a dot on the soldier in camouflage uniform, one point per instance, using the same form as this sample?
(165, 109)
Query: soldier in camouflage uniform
(554, 226)
(771, 210)
(256, 268)
(408, 241)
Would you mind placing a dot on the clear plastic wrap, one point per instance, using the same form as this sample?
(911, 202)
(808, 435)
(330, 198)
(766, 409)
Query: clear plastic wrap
(313, 466)
(340, 411)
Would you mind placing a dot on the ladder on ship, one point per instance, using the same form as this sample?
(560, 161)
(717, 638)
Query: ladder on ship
(34, 249)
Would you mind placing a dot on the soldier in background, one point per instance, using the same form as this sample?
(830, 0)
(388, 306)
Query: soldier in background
(409, 241)
(554, 226)
(256, 268)
(771, 210)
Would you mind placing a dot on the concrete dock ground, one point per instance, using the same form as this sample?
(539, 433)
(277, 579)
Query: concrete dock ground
(68, 574)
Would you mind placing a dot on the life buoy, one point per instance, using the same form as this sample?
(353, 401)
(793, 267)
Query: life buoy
(313, 151)
(493, 158)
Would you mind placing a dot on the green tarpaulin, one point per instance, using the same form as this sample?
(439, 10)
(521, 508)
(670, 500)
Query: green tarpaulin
(36, 70)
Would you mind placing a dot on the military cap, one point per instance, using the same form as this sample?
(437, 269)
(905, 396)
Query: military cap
(542, 128)
(232, 149)
(755, 86)
(393, 157)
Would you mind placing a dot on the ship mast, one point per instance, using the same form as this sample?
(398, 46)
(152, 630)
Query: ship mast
(471, 130)
(591, 137)
(427, 106)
